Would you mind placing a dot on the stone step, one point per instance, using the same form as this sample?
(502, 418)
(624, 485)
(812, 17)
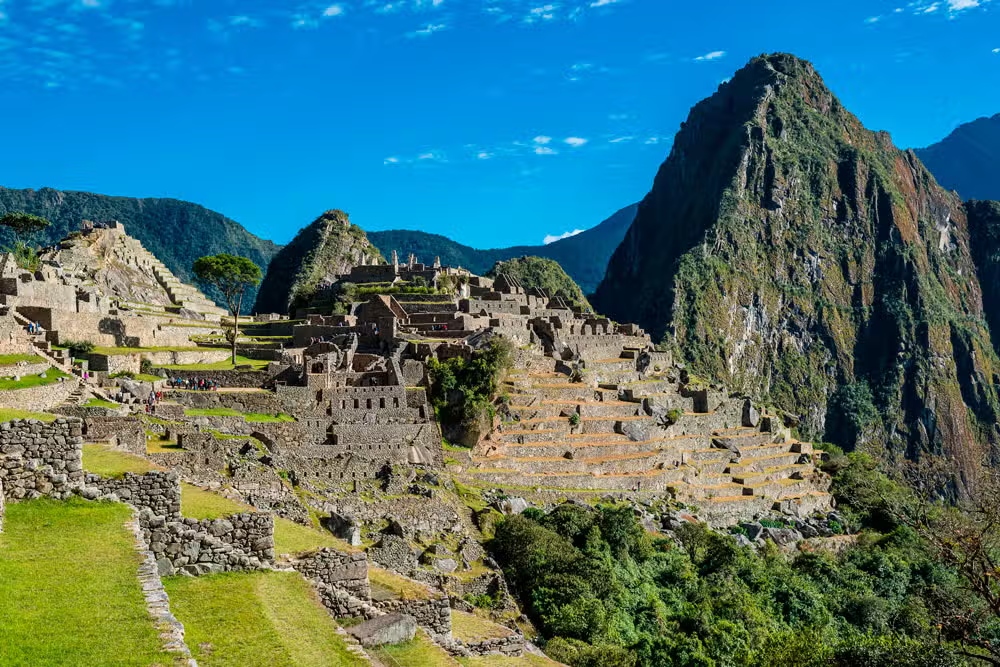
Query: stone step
(771, 473)
(658, 480)
(640, 462)
(751, 465)
(693, 492)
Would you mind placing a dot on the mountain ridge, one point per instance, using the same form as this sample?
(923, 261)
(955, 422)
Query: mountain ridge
(968, 159)
(583, 256)
(176, 231)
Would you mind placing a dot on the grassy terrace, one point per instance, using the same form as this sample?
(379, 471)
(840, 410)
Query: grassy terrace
(69, 594)
(10, 414)
(421, 652)
(108, 462)
(270, 619)
(51, 377)
(100, 403)
(227, 365)
(228, 412)
(11, 359)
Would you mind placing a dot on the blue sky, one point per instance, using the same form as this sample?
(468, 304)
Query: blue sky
(495, 122)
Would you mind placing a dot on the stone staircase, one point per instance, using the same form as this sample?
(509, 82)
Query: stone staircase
(130, 251)
(623, 430)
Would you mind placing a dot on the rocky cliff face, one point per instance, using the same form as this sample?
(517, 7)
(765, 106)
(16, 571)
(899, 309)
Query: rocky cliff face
(790, 252)
(329, 246)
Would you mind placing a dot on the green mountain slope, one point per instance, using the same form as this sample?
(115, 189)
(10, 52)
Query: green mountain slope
(968, 159)
(177, 232)
(792, 253)
(584, 256)
(542, 273)
(328, 246)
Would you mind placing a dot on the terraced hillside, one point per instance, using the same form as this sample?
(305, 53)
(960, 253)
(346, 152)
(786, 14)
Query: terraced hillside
(621, 428)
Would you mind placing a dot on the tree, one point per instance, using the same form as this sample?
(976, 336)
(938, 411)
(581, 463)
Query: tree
(25, 226)
(232, 276)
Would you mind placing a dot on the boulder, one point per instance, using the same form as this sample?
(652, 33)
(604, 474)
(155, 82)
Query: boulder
(388, 629)
(512, 506)
(751, 416)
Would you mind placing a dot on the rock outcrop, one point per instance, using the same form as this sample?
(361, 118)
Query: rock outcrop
(328, 247)
(794, 254)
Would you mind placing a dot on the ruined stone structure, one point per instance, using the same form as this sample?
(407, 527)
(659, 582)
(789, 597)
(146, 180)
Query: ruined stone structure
(39, 459)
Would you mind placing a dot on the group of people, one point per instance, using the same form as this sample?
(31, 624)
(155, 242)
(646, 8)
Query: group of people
(151, 400)
(194, 384)
(34, 328)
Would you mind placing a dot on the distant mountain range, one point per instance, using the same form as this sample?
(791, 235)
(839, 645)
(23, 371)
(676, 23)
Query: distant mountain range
(583, 256)
(177, 232)
(968, 159)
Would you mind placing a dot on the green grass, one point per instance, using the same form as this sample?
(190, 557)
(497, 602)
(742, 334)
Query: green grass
(69, 594)
(253, 417)
(10, 414)
(227, 365)
(472, 628)
(294, 538)
(138, 377)
(405, 589)
(11, 359)
(421, 652)
(198, 503)
(100, 403)
(51, 377)
(108, 462)
(112, 351)
(266, 619)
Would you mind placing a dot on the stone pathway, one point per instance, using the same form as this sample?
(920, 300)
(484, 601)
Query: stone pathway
(158, 603)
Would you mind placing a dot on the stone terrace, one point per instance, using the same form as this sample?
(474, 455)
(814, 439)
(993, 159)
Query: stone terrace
(625, 430)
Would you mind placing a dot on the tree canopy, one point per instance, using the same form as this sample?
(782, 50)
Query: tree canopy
(24, 224)
(230, 274)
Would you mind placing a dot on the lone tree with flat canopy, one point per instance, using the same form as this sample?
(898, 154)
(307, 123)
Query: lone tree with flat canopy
(232, 276)
(25, 226)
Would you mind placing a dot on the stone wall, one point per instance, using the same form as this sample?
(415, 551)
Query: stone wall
(263, 402)
(433, 614)
(245, 379)
(41, 459)
(339, 570)
(127, 433)
(35, 399)
(189, 546)
(159, 492)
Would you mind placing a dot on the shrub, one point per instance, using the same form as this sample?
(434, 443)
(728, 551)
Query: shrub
(574, 419)
(79, 349)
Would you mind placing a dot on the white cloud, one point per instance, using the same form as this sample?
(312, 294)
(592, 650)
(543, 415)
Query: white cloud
(620, 140)
(996, 50)
(603, 3)
(483, 155)
(713, 55)
(391, 160)
(333, 10)
(428, 30)
(959, 5)
(545, 150)
(575, 142)
(542, 140)
(552, 238)
(873, 19)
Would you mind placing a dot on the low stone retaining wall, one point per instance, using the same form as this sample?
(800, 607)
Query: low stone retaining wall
(263, 402)
(434, 614)
(41, 458)
(242, 379)
(343, 571)
(236, 542)
(511, 645)
(159, 492)
(24, 369)
(39, 398)
(127, 433)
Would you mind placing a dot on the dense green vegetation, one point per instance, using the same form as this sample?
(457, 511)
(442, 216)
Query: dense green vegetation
(177, 232)
(607, 594)
(584, 256)
(232, 277)
(69, 594)
(462, 391)
(542, 273)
